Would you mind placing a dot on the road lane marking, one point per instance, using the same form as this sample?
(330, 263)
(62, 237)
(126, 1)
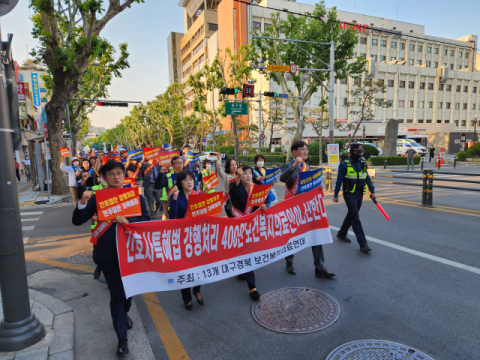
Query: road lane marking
(418, 204)
(31, 213)
(171, 343)
(30, 219)
(419, 253)
(28, 228)
(429, 208)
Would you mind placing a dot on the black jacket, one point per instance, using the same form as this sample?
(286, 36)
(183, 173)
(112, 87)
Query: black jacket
(239, 197)
(289, 175)
(147, 179)
(106, 249)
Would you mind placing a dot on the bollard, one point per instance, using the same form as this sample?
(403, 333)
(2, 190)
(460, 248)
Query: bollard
(424, 191)
(439, 163)
(385, 164)
(421, 165)
(455, 162)
(430, 189)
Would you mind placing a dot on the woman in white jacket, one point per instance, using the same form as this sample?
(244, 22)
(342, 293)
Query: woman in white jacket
(73, 171)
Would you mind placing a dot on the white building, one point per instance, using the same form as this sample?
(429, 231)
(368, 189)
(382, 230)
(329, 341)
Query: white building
(94, 132)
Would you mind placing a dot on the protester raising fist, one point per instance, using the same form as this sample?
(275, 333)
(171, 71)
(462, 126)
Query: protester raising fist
(85, 197)
(175, 193)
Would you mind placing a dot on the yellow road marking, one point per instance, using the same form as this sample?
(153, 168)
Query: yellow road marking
(27, 203)
(171, 343)
(24, 189)
(429, 208)
(438, 206)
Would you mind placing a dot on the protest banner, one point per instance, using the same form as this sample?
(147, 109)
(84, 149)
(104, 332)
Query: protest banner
(193, 156)
(151, 153)
(128, 182)
(111, 157)
(167, 147)
(309, 180)
(118, 202)
(204, 205)
(92, 153)
(65, 152)
(259, 195)
(136, 155)
(333, 151)
(125, 153)
(164, 157)
(115, 149)
(123, 161)
(171, 255)
(150, 167)
(211, 181)
(271, 175)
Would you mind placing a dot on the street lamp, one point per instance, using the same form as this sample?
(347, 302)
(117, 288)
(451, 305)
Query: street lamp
(474, 122)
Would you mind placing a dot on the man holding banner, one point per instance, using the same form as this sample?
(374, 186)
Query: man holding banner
(112, 206)
(291, 173)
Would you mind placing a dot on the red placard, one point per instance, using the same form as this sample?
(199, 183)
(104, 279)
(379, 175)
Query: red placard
(164, 157)
(128, 182)
(105, 159)
(125, 153)
(115, 149)
(151, 153)
(205, 205)
(118, 202)
(211, 181)
(259, 195)
(92, 153)
(65, 152)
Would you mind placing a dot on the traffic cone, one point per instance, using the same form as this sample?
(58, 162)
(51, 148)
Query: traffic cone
(442, 161)
(436, 161)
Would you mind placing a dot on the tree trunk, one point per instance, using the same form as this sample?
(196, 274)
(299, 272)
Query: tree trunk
(74, 133)
(354, 133)
(320, 137)
(214, 141)
(235, 137)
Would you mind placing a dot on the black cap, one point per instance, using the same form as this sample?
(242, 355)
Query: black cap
(357, 148)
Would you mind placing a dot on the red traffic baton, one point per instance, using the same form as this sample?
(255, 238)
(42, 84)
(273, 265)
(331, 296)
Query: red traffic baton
(380, 208)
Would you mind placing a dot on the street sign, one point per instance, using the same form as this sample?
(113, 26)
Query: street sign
(248, 90)
(261, 136)
(280, 68)
(293, 68)
(204, 140)
(236, 108)
(283, 96)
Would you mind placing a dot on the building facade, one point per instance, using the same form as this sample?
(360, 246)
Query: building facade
(174, 57)
(94, 131)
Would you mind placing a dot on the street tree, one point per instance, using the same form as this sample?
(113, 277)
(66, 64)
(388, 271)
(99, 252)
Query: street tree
(366, 97)
(320, 26)
(69, 36)
(214, 82)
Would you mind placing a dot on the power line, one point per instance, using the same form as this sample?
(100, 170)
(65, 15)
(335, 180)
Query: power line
(360, 26)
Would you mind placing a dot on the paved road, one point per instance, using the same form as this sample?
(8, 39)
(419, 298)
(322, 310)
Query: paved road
(420, 286)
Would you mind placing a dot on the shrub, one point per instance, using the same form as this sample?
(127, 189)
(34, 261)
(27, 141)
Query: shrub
(393, 160)
(471, 152)
(341, 142)
(476, 147)
(462, 156)
(370, 151)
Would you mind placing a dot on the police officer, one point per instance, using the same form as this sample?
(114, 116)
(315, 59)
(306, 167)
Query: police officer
(352, 173)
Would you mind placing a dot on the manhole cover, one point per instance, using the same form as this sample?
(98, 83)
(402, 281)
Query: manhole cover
(296, 310)
(81, 258)
(376, 350)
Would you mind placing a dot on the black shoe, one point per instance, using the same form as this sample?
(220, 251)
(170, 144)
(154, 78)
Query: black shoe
(129, 322)
(324, 273)
(97, 273)
(255, 295)
(189, 307)
(365, 249)
(200, 301)
(291, 269)
(122, 348)
(344, 238)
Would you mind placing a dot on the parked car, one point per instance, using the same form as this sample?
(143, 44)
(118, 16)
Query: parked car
(208, 155)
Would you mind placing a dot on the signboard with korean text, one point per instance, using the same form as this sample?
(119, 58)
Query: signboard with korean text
(333, 151)
(164, 157)
(204, 205)
(193, 156)
(114, 157)
(271, 175)
(309, 180)
(171, 255)
(151, 153)
(236, 108)
(65, 152)
(442, 152)
(211, 181)
(279, 68)
(136, 155)
(259, 195)
(21, 91)
(36, 90)
(118, 202)
(167, 147)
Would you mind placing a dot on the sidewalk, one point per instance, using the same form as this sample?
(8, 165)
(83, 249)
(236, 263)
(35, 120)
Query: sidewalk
(28, 197)
(74, 308)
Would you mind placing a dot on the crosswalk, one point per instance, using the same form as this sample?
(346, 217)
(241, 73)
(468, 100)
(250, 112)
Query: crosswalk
(27, 219)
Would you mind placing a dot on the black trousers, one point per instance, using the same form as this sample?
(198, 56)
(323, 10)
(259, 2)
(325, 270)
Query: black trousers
(17, 172)
(318, 258)
(354, 203)
(249, 277)
(187, 294)
(431, 157)
(119, 304)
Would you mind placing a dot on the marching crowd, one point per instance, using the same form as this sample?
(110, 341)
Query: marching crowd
(166, 190)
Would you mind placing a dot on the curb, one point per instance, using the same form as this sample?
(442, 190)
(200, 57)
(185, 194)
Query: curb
(59, 321)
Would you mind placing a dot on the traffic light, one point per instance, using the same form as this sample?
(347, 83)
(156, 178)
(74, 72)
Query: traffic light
(112, 103)
(229, 91)
(270, 94)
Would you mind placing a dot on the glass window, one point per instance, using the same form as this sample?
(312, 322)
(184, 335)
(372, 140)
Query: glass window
(381, 81)
(374, 42)
(445, 52)
(316, 100)
(343, 101)
(212, 27)
(465, 106)
(451, 66)
(459, 66)
(410, 104)
(439, 121)
(465, 88)
(447, 121)
(459, 88)
(464, 122)
(401, 59)
(430, 104)
(421, 104)
(456, 123)
(440, 105)
(457, 106)
(383, 43)
(420, 121)
(363, 55)
(391, 83)
(402, 84)
(429, 64)
(467, 54)
(357, 81)
(410, 61)
(363, 40)
(447, 105)
(429, 121)
(402, 46)
(430, 86)
(356, 102)
(449, 87)
(422, 86)
(473, 106)
(419, 62)
(452, 52)
(343, 81)
(401, 103)
(393, 58)
(440, 87)
(394, 45)
(419, 48)
(460, 54)
(383, 58)
(435, 64)
(412, 47)
(257, 25)
(474, 89)
(374, 57)
(389, 102)
(411, 84)
(410, 121)
(435, 50)
(429, 49)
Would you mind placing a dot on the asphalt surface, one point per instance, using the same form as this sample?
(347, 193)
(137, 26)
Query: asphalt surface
(428, 303)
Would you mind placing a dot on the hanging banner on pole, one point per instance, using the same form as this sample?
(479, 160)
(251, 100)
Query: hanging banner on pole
(171, 255)
(333, 152)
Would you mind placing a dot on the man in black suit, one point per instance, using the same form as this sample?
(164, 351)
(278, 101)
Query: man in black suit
(105, 251)
(152, 195)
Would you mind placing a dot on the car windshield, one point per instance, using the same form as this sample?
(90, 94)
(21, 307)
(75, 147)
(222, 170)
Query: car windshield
(415, 144)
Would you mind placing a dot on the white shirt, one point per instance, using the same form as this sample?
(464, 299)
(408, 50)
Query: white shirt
(26, 162)
(71, 174)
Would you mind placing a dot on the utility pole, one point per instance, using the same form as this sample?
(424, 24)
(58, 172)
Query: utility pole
(301, 107)
(332, 86)
(260, 142)
(19, 328)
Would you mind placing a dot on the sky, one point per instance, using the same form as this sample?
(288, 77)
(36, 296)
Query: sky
(145, 28)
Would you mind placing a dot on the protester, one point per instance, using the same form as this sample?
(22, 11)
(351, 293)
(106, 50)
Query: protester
(131, 170)
(290, 176)
(353, 175)
(105, 252)
(207, 171)
(188, 164)
(89, 182)
(178, 206)
(228, 176)
(259, 173)
(164, 198)
(239, 192)
(152, 195)
(410, 155)
(26, 164)
(92, 161)
(73, 171)
(17, 169)
(431, 151)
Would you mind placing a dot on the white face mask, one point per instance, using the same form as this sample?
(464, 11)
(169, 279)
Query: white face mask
(260, 163)
(209, 166)
(103, 182)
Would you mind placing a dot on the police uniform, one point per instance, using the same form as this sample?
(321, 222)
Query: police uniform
(352, 174)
